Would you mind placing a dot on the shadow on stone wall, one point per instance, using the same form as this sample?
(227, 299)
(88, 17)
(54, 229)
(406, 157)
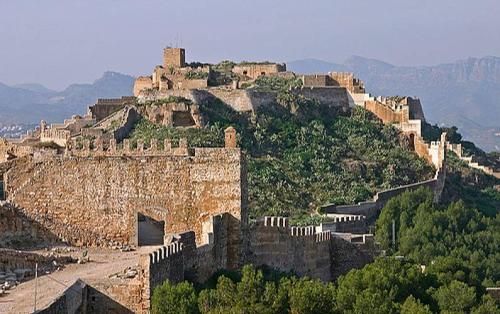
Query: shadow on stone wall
(19, 231)
(82, 298)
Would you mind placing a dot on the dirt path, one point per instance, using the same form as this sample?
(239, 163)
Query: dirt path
(20, 300)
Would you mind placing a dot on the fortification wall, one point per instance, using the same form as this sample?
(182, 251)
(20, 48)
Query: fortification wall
(12, 259)
(316, 80)
(274, 243)
(258, 69)
(104, 107)
(141, 83)
(346, 256)
(60, 137)
(348, 81)
(384, 113)
(372, 207)
(69, 194)
(416, 111)
(17, 230)
(344, 224)
(330, 96)
(182, 259)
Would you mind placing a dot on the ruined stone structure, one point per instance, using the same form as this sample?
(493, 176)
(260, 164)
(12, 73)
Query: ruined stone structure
(194, 199)
(469, 160)
(334, 79)
(105, 107)
(173, 74)
(180, 186)
(173, 114)
(174, 57)
(254, 70)
(270, 241)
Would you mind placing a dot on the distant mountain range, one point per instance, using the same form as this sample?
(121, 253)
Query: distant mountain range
(465, 93)
(30, 103)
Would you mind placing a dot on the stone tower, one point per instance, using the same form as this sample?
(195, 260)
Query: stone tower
(174, 57)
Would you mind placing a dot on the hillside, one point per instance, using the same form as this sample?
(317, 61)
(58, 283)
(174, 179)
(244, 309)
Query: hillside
(30, 103)
(303, 158)
(465, 93)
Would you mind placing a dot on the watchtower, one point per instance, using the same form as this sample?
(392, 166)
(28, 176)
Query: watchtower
(174, 57)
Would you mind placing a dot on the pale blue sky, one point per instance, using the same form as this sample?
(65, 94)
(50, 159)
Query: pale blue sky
(57, 42)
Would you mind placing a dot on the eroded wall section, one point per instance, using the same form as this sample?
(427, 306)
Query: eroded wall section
(95, 200)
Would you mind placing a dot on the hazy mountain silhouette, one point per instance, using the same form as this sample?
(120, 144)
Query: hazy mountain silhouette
(30, 103)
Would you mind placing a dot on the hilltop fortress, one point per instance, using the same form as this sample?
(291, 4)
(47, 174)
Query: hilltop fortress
(192, 202)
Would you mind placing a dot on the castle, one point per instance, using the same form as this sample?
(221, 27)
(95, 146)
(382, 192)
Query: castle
(196, 198)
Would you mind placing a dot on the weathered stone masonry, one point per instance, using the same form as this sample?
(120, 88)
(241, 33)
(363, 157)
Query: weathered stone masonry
(94, 198)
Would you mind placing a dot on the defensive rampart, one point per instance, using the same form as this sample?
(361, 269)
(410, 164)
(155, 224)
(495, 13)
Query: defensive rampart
(372, 207)
(243, 100)
(274, 243)
(179, 186)
(182, 259)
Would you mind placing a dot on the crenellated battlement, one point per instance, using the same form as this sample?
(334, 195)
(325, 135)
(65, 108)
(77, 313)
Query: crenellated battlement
(302, 231)
(165, 252)
(323, 236)
(97, 148)
(275, 221)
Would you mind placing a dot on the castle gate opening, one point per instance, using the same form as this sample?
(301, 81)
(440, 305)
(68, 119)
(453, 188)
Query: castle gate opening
(149, 230)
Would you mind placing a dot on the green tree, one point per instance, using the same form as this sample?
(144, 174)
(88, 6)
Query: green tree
(312, 296)
(381, 286)
(487, 306)
(413, 306)
(456, 297)
(173, 299)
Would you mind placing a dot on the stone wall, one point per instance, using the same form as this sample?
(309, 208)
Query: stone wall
(104, 107)
(316, 80)
(18, 230)
(102, 298)
(182, 259)
(346, 256)
(13, 259)
(329, 96)
(383, 112)
(181, 187)
(274, 243)
(348, 81)
(173, 114)
(371, 208)
(243, 100)
(174, 57)
(254, 70)
(345, 224)
(141, 83)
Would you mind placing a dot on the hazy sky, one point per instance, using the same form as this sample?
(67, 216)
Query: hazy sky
(58, 42)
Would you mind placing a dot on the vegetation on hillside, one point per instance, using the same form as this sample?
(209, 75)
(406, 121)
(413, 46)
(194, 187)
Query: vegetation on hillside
(474, 187)
(450, 254)
(433, 132)
(385, 286)
(457, 242)
(302, 155)
(222, 73)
